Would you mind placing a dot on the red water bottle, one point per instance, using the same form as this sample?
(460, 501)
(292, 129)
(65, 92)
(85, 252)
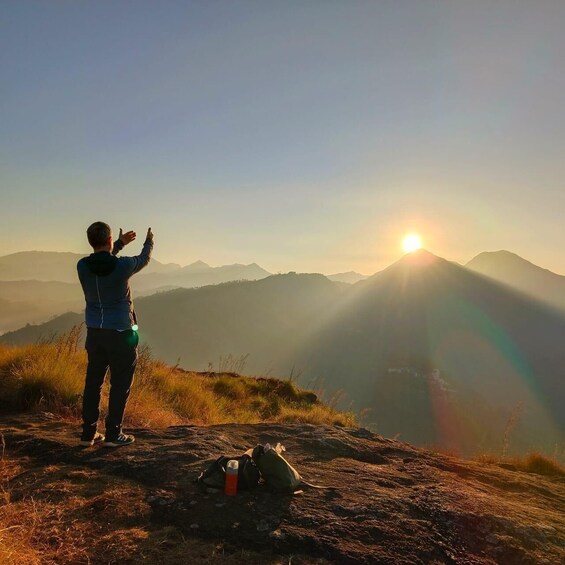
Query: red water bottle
(231, 477)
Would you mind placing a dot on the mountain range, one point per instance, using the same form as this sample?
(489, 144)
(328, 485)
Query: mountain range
(38, 285)
(426, 349)
(61, 267)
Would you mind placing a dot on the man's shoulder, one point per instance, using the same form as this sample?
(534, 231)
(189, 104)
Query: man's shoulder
(125, 259)
(125, 264)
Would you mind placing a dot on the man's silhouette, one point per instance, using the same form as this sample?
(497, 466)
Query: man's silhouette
(111, 339)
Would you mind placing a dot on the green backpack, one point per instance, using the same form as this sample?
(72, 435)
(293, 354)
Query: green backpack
(277, 472)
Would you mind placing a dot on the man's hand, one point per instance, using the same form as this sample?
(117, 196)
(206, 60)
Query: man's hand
(149, 235)
(127, 237)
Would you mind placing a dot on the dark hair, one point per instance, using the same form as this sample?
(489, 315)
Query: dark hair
(98, 234)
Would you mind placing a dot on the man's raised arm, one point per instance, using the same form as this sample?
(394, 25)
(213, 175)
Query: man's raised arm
(122, 241)
(143, 258)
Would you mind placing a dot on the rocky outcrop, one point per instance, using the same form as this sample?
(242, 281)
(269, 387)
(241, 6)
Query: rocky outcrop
(392, 503)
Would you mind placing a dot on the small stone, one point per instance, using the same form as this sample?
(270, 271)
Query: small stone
(220, 504)
(193, 502)
(262, 526)
(277, 534)
(211, 490)
(194, 526)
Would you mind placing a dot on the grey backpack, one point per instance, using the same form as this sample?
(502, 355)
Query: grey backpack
(276, 471)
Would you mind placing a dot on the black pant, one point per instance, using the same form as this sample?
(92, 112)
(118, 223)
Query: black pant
(117, 350)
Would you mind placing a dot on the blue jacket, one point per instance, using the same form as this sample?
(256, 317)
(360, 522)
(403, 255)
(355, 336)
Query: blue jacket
(105, 281)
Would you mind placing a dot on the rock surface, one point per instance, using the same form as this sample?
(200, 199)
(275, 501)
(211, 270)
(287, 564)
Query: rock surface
(392, 503)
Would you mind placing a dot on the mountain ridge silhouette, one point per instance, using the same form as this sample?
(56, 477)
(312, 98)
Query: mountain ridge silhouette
(521, 274)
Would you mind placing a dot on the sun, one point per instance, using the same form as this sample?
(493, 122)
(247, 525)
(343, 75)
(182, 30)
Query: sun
(411, 242)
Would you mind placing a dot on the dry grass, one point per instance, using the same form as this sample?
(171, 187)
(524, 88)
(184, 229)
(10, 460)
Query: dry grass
(43, 375)
(50, 376)
(532, 463)
(539, 464)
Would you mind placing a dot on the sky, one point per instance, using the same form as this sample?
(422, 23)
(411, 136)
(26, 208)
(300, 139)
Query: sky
(306, 136)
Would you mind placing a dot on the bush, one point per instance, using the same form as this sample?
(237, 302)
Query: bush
(540, 464)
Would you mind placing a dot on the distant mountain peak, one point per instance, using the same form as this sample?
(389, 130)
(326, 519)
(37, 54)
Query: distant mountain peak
(196, 266)
(502, 254)
(347, 273)
(511, 269)
(419, 258)
(414, 261)
(502, 259)
(350, 277)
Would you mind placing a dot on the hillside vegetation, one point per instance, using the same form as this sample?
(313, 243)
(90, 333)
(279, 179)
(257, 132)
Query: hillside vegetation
(50, 376)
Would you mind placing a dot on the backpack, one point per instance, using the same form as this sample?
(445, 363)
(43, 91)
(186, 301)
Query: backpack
(276, 471)
(215, 474)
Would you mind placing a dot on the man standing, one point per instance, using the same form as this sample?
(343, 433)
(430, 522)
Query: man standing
(111, 339)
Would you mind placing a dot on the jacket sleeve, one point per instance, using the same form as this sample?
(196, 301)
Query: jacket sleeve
(141, 260)
(117, 247)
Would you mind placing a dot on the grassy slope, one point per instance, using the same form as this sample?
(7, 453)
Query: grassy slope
(50, 377)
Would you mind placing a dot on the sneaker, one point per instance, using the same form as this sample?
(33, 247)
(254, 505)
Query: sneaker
(98, 438)
(122, 439)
